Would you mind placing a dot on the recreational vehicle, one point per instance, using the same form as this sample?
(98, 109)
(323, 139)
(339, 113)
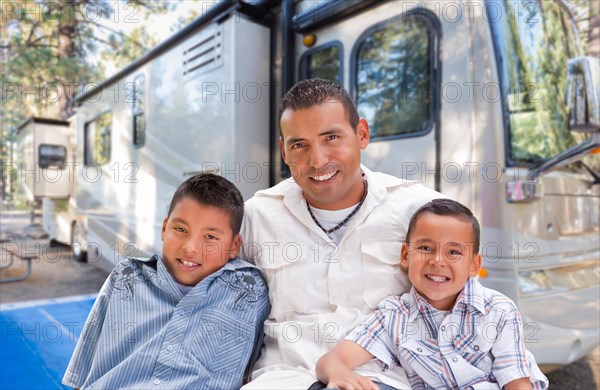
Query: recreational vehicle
(465, 97)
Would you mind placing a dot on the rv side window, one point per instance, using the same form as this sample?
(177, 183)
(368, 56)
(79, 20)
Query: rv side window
(324, 62)
(97, 140)
(393, 77)
(139, 122)
(52, 156)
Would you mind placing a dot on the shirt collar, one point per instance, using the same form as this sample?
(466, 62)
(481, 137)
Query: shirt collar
(293, 198)
(378, 185)
(167, 282)
(471, 296)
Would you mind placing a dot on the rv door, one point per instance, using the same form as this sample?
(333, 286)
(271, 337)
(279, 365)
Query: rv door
(387, 57)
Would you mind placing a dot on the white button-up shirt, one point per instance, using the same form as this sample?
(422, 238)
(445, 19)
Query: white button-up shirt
(319, 291)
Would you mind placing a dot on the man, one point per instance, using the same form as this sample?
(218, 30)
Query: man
(328, 241)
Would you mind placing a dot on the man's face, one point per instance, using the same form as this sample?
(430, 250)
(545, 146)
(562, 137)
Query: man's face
(440, 258)
(197, 241)
(323, 153)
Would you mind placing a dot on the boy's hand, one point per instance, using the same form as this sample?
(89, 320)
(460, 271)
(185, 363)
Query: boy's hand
(348, 380)
(335, 367)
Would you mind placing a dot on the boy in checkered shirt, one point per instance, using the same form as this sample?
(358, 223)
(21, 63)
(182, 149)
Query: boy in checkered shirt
(449, 331)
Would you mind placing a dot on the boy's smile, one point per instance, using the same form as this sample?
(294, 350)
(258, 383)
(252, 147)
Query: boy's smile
(440, 258)
(197, 241)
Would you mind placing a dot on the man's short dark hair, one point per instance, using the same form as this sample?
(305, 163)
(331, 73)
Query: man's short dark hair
(311, 92)
(213, 190)
(451, 208)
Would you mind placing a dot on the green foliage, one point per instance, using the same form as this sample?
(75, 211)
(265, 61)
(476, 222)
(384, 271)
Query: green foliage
(51, 49)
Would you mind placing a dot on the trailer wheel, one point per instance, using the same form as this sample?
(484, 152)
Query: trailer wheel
(79, 254)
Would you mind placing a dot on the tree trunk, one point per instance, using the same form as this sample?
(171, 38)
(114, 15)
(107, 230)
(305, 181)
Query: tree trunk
(66, 49)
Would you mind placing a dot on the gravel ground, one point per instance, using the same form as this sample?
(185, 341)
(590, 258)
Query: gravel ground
(58, 275)
(55, 274)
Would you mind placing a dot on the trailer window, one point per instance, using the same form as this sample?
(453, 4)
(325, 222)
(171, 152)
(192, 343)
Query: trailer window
(393, 77)
(98, 139)
(52, 156)
(324, 62)
(532, 53)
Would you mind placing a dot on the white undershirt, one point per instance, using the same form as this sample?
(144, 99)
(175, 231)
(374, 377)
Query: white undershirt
(439, 315)
(330, 219)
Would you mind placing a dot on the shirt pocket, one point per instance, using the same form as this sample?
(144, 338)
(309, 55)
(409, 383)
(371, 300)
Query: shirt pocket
(382, 273)
(223, 343)
(476, 349)
(287, 281)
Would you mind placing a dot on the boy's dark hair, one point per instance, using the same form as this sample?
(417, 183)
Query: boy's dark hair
(311, 92)
(447, 207)
(213, 190)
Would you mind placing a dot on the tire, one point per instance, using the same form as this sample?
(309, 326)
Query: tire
(79, 254)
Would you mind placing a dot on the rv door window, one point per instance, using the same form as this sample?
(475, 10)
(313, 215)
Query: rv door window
(52, 156)
(139, 123)
(98, 139)
(139, 130)
(532, 53)
(393, 77)
(323, 62)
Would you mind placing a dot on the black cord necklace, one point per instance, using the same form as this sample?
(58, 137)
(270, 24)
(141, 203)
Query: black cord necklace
(339, 225)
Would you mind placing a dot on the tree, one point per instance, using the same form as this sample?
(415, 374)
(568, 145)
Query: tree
(52, 45)
(51, 49)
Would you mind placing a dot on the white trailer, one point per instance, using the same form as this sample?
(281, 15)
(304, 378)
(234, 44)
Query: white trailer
(466, 97)
(45, 168)
(42, 159)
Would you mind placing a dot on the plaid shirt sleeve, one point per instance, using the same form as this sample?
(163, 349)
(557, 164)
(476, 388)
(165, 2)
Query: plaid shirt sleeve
(511, 359)
(374, 336)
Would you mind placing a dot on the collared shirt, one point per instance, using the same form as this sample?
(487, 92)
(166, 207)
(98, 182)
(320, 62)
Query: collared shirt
(319, 290)
(142, 333)
(479, 344)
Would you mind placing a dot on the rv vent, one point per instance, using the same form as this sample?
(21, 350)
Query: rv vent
(203, 53)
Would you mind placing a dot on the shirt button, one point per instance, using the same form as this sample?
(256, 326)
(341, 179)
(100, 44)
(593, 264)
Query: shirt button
(455, 359)
(181, 311)
(156, 381)
(476, 347)
(419, 349)
(169, 347)
(443, 328)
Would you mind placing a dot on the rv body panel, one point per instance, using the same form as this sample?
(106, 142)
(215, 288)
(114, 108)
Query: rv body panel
(203, 114)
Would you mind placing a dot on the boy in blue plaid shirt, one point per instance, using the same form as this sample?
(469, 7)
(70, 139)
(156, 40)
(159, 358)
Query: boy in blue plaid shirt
(449, 331)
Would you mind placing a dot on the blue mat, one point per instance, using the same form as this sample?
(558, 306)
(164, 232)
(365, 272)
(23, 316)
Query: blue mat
(38, 339)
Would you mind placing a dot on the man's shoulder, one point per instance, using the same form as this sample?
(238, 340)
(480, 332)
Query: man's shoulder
(397, 186)
(283, 188)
